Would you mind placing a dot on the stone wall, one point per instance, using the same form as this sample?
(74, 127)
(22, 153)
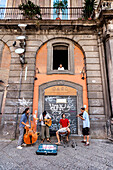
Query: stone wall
(87, 39)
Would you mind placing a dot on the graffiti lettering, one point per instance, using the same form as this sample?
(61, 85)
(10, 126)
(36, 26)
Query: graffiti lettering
(56, 110)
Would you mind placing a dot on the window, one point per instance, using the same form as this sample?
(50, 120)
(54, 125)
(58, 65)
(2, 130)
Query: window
(3, 4)
(60, 51)
(60, 56)
(63, 15)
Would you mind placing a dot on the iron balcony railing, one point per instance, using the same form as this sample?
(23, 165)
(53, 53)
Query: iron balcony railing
(48, 13)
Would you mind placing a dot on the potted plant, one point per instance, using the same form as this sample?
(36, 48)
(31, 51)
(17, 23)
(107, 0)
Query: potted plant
(30, 10)
(60, 5)
(89, 7)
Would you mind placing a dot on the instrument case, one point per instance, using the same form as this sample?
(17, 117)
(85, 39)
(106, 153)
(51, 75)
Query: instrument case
(47, 149)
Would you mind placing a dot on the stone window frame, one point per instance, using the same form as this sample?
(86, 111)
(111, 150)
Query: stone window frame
(50, 46)
(62, 44)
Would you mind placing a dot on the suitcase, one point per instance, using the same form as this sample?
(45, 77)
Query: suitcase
(47, 149)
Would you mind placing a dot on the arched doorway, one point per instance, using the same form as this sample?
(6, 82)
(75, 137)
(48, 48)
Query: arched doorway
(47, 77)
(57, 97)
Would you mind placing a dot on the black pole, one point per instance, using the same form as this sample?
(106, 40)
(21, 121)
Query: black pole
(22, 61)
(21, 73)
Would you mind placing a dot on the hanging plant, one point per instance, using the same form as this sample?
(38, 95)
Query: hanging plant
(60, 5)
(30, 10)
(89, 7)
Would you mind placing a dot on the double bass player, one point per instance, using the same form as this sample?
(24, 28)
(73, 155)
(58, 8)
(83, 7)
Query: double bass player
(23, 120)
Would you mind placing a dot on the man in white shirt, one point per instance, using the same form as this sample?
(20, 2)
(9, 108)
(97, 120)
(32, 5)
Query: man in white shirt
(86, 125)
(44, 127)
(60, 67)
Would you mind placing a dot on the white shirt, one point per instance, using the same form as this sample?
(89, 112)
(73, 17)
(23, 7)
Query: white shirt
(47, 116)
(60, 68)
(86, 122)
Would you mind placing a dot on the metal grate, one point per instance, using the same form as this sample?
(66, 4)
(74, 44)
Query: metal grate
(55, 109)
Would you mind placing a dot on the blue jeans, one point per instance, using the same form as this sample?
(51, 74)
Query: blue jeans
(20, 140)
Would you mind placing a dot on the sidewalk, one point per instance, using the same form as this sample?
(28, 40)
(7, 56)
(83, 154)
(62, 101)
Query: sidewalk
(99, 155)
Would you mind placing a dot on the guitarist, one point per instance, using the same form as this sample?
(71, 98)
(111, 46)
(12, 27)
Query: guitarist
(44, 127)
(23, 120)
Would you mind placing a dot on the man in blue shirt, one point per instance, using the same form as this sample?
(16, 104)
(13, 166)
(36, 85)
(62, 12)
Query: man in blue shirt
(23, 121)
(86, 125)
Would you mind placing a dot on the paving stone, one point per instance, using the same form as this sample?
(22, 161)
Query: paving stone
(97, 156)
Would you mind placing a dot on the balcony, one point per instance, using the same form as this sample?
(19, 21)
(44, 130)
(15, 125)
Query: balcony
(48, 13)
(106, 6)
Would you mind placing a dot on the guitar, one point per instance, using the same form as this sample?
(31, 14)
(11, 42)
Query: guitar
(48, 122)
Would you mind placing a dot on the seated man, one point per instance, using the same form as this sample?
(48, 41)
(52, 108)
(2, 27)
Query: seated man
(64, 126)
(60, 67)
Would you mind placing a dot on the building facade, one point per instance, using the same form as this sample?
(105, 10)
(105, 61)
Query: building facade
(83, 47)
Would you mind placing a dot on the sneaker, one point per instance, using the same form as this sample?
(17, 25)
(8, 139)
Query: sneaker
(87, 144)
(19, 147)
(24, 144)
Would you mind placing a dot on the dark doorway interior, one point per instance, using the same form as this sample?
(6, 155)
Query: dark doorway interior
(60, 56)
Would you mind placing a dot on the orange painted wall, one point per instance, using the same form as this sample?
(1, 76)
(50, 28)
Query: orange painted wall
(5, 64)
(4, 71)
(6, 58)
(41, 64)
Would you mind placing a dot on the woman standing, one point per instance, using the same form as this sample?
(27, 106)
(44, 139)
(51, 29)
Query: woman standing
(23, 120)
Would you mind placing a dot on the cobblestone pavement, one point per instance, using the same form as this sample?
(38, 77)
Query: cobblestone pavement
(99, 155)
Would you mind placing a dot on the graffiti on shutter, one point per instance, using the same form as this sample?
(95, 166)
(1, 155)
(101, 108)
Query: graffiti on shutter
(57, 105)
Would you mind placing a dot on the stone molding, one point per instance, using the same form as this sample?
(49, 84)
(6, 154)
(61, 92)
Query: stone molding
(70, 45)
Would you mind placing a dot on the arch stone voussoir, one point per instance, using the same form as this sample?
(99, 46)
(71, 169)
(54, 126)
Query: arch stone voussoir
(6, 38)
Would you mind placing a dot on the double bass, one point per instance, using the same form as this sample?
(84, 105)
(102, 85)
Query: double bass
(31, 135)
